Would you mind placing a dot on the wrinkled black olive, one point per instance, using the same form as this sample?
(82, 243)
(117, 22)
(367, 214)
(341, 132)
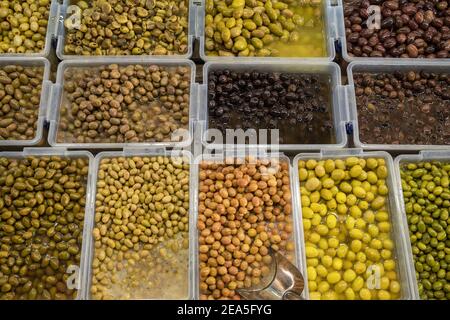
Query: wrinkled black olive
(296, 104)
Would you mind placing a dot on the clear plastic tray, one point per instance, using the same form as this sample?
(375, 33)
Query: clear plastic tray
(88, 249)
(50, 35)
(238, 154)
(44, 101)
(43, 152)
(60, 34)
(331, 19)
(343, 43)
(338, 107)
(57, 93)
(389, 67)
(422, 156)
(399, 232)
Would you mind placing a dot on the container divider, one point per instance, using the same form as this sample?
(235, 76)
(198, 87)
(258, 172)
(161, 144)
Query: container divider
(128, 151)
(344, 115)
(200, 20)
(435, 154)
(194, 100)
(333, 22)
(46, 98)
(338, 16)
(193, 13)
(202, 114)
(349, 100)
(341, 152)
(44, 151)
(52, 108)
(62, 11)
(54, 18)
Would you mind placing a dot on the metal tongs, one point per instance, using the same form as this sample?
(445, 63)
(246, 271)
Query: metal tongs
(284, 282)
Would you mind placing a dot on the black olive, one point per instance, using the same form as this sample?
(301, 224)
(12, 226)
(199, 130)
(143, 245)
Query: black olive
(293, 103)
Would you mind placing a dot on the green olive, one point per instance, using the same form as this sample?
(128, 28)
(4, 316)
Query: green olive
(45, 238)
(423, 186)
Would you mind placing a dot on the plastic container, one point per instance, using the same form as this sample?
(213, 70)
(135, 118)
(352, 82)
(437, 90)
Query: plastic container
(239, 154)
(412, 158)
(43, 152)
(50, 35)
(66, 11)
(337, 98)
(343, 43)
(57, 95)
(331, 16)
(88, 252)
(44, 100)
(399, 232)
(388, 67)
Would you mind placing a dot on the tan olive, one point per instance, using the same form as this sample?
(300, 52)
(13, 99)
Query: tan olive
(140, 229)
(238, 210)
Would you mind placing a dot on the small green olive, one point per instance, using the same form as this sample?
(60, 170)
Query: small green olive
(427, 218)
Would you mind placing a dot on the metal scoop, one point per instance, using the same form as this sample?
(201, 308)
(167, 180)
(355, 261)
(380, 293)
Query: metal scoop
(284, 282)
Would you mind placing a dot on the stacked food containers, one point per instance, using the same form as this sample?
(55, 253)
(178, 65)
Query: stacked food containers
(144, 193)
